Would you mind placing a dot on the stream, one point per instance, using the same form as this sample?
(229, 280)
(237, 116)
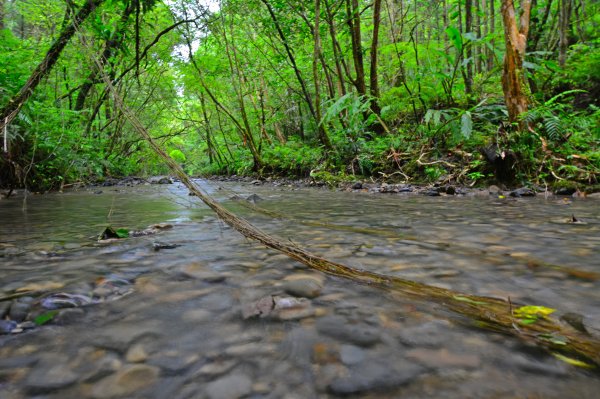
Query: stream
(195, 310)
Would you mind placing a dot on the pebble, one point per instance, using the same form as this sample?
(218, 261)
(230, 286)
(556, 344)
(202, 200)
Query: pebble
(136, 354)
(350, 354)
(217, 367)
(127, 381)
(303, 287)
(356, 333)
(229, 387)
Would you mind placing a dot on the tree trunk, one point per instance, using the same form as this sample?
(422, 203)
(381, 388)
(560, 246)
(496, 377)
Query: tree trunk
(12, 109)
(514, 84)
(564, 23)
(468, 48)
(353, 16)
(373, 80)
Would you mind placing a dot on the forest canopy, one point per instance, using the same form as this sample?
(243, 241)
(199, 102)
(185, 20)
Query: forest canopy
(467, 91)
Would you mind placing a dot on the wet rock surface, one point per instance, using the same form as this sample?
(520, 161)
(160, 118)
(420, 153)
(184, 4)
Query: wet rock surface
(222, 317)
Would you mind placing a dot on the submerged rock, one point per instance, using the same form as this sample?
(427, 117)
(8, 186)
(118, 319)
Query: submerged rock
(129, 380)
(229, 387)
(341, 328)
(307, 287)
(374, 375)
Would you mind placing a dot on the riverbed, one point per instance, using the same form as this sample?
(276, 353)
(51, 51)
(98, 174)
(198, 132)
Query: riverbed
(195, 310)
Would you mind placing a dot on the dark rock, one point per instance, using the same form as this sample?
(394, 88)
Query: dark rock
(160, 180)
(157, 246)
(253, 198)
(98, 192)
(19, 311)
(431, 193)
(6, 326)
(522, 192)
(565, 191)
(229, 387)
(68, 316)
(4, 307)
(374, 375)
(256, 182)
(450, 190)
(357, 186)
(356, 333)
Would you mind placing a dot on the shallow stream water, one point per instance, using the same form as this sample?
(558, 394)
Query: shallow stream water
(176, 314)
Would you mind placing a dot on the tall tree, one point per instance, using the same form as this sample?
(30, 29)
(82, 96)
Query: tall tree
(13, 107)
(563, 31)
(514, 84)
(373, 78)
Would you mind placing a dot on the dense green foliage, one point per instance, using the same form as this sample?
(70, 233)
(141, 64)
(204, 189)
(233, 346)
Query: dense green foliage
(249, 87)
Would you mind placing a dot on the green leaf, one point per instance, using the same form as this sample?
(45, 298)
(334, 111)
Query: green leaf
(529, 312)
(45, 317)
(455, 37)
(573, 362)
(466, 125)
(122, 233)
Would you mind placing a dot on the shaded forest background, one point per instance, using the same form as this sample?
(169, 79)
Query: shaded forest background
(464, 91)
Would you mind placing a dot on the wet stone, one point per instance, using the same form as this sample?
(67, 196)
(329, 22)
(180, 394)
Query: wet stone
(229, 387)
(4, 307)
(136, 354)
(432, 334)
(68, 316)
(19, 311)
(217, 367)
(173, 363)
(374, 375)
(522, 192)
(6, 326)
(305, 287)
(350, 354)
(127, 381)
(50, 374)
(356, 333)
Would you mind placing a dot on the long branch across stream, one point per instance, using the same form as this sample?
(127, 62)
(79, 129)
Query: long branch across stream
(199, 311)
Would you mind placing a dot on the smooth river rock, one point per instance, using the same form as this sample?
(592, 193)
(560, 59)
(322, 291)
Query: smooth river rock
(129, 380)
(229, 387)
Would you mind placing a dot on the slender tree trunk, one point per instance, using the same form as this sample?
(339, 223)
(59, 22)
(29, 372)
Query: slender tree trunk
(353, 15)
(514, 84)
(373, 79)
(492, 31)
(315, 62)
(468, 48)
(13, 107)
(336, 54)
(566, 7)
